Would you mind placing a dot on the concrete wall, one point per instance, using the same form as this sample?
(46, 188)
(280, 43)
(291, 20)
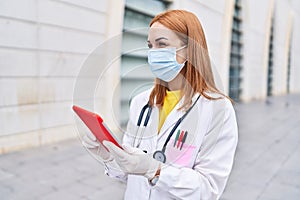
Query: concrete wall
(44, 42)
(256, 34)
(216, 19)
(295, 48)
(282, 32)
(42, 46)
(256, 26)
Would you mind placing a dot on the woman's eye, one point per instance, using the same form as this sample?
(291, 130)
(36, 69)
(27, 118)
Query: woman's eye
(149, 46)
(162, 44)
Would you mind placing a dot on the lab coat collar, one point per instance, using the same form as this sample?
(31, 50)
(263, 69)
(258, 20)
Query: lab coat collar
(174, 115)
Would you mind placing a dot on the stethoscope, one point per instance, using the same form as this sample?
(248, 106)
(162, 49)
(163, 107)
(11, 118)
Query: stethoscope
(159, 154)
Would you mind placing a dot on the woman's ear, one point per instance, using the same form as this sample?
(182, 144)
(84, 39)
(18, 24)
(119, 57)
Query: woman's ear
(181, 55)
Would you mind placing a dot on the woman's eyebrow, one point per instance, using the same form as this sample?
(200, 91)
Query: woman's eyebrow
(160, 39)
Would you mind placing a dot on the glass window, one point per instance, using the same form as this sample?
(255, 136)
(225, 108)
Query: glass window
(236, 54)
(135, 74)
(270, 63)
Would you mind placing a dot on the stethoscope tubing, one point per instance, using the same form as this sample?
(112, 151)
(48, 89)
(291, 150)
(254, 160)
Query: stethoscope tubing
(147, 120)
(145, 107)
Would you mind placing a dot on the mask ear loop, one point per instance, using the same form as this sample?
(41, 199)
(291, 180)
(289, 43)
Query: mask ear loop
(180, 49)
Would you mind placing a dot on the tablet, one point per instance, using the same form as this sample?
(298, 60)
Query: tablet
(96, 125)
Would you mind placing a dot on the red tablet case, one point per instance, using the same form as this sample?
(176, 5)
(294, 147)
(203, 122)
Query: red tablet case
(95, 123)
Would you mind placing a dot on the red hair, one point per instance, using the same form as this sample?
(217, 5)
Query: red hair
(197, 70)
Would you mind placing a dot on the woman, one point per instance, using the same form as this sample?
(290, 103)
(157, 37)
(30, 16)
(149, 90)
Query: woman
(187, 147)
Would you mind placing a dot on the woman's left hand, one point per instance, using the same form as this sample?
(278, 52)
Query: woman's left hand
(133, 160)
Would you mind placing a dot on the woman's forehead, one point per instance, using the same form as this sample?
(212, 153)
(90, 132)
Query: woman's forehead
(158, 30)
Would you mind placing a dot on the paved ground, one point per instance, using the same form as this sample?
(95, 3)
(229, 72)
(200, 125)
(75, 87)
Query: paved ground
(268, 155)
(266, 166)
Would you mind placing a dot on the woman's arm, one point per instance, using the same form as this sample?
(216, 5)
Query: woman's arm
(112, 169)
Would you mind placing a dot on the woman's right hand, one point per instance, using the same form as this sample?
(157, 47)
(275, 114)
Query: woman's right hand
(93, 145)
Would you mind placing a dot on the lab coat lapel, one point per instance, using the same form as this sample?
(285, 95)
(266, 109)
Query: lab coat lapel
(173, 117)
(154, 119)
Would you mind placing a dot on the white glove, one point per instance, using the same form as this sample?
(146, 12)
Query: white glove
(133, 160)
(93, 145)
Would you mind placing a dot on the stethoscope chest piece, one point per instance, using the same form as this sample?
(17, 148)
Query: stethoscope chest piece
(160, 156)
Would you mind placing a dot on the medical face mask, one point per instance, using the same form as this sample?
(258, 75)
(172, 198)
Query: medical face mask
(163, 63)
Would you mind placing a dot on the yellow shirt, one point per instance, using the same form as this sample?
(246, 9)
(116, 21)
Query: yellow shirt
(170, 101)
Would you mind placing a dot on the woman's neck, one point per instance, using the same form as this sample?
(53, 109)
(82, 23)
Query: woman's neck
(176, 83)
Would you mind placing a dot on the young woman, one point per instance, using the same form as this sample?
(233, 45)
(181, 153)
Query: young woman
(182, 134)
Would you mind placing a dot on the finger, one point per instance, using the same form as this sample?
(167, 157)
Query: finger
(114, 150)
(103, 149)
(132, 150)
(128, 148)
(94, 150)
(91, 136)
(88, 141)
(88, 145)
(104, 154)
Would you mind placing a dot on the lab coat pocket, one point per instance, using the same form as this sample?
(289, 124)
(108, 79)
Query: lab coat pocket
(179, 154)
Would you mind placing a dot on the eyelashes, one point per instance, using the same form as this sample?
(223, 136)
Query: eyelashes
(160, 45)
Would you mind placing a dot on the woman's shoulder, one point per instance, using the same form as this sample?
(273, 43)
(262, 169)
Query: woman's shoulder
(218, 99)
(142, 97)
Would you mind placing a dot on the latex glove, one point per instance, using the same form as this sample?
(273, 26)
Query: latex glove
(93, 145)
(133, 160)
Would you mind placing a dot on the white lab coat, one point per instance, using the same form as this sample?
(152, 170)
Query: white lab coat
(197, 170)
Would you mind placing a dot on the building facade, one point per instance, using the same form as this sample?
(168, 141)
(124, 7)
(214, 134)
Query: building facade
(43, 44)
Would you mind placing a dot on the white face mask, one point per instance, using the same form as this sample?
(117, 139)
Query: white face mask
(163, 63)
